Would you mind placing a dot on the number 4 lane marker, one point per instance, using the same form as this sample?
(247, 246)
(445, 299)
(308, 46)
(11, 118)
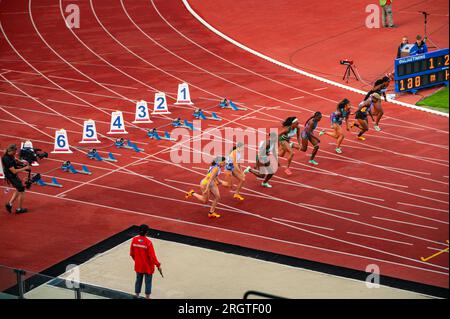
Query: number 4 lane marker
(117, 123)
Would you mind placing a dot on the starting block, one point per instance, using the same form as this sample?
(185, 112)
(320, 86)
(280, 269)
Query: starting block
(189, 125)
(215, 117)
(53, 183)
(177, 123)
(153, 134)
(225, 104)
(185, 124)
(94, 155)
(120, 143)
(68, 167)
(198, 114)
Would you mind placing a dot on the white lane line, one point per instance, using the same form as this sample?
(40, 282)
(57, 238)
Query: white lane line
(424, 207)
(416, 124)
(331, 209)
(175, 220)
(433, 191)
(123, 98)
(299, 223)
(379, 182)
(208, 99)
(14, 71)
(402, 222)
(404, 126)
(432, 159)
(357, 147)
(12, 94)
(348, 194)
(67, 78)
(380, 238)
(320, 89)
(297, 98)
(119, 86)
(289, 67)
(438, 249)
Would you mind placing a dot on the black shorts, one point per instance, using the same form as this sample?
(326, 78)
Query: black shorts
(360, 116)
(17, 184)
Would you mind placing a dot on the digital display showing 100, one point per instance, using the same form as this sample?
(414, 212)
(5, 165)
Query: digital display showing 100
(416, 72)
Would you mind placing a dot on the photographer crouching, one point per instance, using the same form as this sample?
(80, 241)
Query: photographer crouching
(11, 168)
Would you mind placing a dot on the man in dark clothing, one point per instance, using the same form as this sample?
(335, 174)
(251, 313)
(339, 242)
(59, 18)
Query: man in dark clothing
(380, 87)
(420, 47)
(145, 260)
(11, 168)
(401, 46)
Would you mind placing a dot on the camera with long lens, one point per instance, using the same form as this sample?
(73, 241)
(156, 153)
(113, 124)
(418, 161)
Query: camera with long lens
(31, 155)
(346, 62)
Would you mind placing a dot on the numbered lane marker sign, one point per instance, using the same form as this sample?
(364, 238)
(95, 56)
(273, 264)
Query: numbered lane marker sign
(160, 106)
(89, 132)
(142, 113)
(61, 142)
(183, 97)
(117, 123)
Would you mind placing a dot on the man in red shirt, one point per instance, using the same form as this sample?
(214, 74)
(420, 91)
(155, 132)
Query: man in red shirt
(144, 257)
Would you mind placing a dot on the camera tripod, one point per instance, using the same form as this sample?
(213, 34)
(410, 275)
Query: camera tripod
(348, 72)
(425, 37)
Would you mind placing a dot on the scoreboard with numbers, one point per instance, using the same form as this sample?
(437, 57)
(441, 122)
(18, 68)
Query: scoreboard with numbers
(415, 72)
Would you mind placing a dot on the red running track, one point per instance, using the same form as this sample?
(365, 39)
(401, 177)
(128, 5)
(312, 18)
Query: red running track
(383, 201)
(314, 35)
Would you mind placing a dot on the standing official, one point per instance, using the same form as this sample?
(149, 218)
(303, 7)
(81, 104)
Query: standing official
(386, 7)
(144, 257)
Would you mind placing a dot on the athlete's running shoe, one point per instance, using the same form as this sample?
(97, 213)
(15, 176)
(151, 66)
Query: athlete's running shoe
(213, 215)
(267, 185)
(247, 170)
(313, 162)
(189, 194)
(361, 138)
(237, 196)
(322, 132)
(291, 144)
(377, 128)
(338, 150)
(288, 172)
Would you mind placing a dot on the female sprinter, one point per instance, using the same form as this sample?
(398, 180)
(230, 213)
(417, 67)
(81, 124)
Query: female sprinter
(365, 108)
(209, 186)
(342, 112)
(290, 129)
(233, 168)
(376, 110)
(308, 136)
(263, 165)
